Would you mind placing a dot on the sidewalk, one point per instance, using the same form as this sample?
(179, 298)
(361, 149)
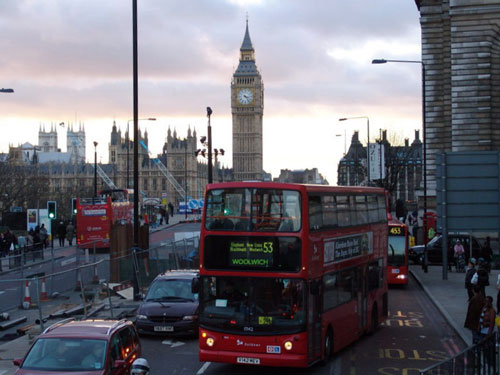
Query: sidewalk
(450, 296)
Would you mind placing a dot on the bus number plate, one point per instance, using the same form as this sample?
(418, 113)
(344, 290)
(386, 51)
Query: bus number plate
(273, 349)
(250, 361)
(395, 270)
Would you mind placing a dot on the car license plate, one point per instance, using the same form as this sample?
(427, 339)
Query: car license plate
(246, 360)
(164, 329)
(395, 270)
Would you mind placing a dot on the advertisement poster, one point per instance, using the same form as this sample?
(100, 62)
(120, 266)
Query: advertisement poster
(32, 218)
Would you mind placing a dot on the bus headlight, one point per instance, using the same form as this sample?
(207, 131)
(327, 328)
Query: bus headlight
(288, 345)
(210, 342)
(401, 276)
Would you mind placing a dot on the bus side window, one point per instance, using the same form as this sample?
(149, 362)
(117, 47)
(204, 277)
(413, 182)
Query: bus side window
(374, 271)
(330, 291)
(344, 218)
(315, 215)
(329, 211)
(361, 210)
(382, 209)
(372, 209)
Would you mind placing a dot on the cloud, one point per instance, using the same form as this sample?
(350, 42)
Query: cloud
(66, 57)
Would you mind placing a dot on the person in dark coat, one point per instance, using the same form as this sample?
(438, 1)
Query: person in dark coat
(471, 270)
(483, 279)
(474, 309)
(61, 233)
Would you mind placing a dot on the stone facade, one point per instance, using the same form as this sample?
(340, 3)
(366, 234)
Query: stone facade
(403, 167)
(307, 176)
(247, 107)
(461, 53)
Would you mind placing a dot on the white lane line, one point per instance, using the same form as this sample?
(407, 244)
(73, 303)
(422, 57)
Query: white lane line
(202, 369)
(3, 372)
(178, 343)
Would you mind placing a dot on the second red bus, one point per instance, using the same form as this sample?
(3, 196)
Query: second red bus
(397, 253)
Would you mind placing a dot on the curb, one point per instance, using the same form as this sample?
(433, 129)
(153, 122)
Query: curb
(466, 339)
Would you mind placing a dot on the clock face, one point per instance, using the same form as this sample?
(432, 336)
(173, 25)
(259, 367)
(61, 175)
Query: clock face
(245, 96)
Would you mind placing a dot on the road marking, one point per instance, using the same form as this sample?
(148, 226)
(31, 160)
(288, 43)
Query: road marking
(172, 344)
(3, 371)
(202, 369)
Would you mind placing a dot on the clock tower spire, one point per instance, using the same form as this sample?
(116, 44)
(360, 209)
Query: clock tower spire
(247, 107)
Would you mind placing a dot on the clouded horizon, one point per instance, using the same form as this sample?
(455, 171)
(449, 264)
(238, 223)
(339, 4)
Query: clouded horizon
(71, 61)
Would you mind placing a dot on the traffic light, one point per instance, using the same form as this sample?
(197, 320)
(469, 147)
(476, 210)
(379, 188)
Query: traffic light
(73, 206)
(52, 209)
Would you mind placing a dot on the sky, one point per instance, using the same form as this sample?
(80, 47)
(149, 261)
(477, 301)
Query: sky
(71, 62)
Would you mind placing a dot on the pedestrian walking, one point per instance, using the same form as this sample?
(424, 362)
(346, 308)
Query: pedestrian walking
(471, 270)
(43, 235)
(487, 253)
(483, 279)
(61, 233)
(171, 208)
(458, 256)
(70, 233)
(474, 309)
(487, 319)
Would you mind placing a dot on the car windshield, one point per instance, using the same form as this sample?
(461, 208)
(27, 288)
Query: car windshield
(253, 305)
(66, 355)
(396, 251)
(171, 290)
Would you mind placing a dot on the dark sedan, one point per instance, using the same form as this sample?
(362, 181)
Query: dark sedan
(435, 251)
(169, 306)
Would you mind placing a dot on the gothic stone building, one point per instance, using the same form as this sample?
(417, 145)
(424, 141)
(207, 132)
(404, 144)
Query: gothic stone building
(403, 166)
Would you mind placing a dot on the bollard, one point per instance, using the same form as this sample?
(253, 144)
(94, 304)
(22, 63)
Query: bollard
(78, 286)
(95, 279)
(87, 257)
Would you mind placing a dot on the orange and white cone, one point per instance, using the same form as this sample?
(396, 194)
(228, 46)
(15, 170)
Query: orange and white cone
(43, 293)
(27, 297)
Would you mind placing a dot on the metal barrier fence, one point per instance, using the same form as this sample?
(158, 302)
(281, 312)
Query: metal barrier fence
(480, 359)
(76, 269)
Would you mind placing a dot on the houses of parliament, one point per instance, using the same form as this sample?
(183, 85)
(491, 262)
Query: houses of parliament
(69, 173)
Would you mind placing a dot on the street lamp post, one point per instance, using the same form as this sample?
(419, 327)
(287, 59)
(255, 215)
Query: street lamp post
(95, 169)
(367, 143)
(209, 140)
(424, 145)
(127, 141)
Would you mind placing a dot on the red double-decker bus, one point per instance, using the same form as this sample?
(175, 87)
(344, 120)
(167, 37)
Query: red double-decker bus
(290, 273)
(94, 216)
(397, 253)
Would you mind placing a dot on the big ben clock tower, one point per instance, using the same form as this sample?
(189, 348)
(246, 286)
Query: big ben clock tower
(247, 107)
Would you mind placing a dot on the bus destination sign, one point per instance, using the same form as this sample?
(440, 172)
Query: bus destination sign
(344, 248)
(254, 253)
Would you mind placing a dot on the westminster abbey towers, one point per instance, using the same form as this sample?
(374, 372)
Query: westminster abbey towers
(247, 107)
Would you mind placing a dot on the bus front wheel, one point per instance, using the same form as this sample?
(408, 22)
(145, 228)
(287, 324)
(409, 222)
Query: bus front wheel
(327, 347)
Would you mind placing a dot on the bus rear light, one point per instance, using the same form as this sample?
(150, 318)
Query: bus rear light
(233, 322)
(210, 342)
(288, 345)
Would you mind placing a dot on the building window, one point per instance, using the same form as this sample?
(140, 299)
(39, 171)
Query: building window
(155, 187)
(113, 156)
(145, 186)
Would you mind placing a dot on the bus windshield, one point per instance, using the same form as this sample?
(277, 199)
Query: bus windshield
(253, 210)
(396, 255)
(253, 305)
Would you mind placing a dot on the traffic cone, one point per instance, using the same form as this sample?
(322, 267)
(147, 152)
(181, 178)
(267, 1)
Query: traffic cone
(43, 294)
(27, 297)
(95, 279)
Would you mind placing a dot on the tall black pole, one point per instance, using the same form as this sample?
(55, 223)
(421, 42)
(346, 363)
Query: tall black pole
(136, 145)
(128, 157)
(209, 136)
(95, 169)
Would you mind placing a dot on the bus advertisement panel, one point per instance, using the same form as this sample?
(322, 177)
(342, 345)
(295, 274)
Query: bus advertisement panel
(95, 215)
(288, 271)
(397, 256)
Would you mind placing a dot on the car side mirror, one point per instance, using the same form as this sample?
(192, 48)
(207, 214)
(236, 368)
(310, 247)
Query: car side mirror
(119, 363)
(17, 362)
(195, 285)
(314, 287)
